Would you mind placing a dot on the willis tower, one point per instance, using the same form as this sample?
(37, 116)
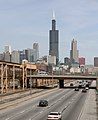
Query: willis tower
(54, 40)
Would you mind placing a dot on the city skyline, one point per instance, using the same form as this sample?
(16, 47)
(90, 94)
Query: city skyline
(26, 21)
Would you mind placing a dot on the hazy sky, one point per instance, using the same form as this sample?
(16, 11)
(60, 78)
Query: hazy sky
(23, 22)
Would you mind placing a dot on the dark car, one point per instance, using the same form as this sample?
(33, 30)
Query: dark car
(84, 90)
(43, 103)
(77, 89)
(71, 84)
(80, 85)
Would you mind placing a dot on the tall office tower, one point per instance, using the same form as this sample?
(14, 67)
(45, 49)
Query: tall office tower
(29, 55)
(66, 61)
(95, 61)
(15, 56)
(1, 56)
(7, 48)
(7, 56)
(54, 41)
(74, 53)
(36, 49)
(22, 55)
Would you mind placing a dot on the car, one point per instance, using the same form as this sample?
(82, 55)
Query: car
(87, 88)
(77, 89)
(54, 116)
(43, 103)
(80, 85)
(84, 90)
(71, 84)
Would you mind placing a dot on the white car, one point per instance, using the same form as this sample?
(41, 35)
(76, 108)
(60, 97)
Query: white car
(87, 88)
(54, 116)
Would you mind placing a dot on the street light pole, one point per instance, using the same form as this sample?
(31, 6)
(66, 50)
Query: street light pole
(30, 72)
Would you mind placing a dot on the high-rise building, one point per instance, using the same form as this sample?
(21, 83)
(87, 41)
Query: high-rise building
(51, 60)
(74, 53)
(22, 55)
(36, 49)
(31, 55)
(95, 61)
(15, 56)
(2, 56)
(82, 61)
(54, 41)
(66, 61)
(7, 56)
(7, 48)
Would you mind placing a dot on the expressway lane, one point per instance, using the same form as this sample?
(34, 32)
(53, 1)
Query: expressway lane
(66, 107)
(69, 102)
(31, 104)
(38, 112)
(74, 110)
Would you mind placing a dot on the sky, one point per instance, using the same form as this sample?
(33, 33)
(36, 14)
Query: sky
(23, 22)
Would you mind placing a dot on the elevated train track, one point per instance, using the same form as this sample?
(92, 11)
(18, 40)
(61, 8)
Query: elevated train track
(14, 75)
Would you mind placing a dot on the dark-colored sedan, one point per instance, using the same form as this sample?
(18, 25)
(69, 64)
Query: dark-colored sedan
(71, 84)
(43, 103)
(84, 90)
(77, 89)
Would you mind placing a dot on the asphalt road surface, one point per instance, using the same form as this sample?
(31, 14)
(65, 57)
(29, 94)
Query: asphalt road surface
(66, 101)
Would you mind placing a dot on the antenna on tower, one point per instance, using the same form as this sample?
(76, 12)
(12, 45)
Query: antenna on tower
(53, 15)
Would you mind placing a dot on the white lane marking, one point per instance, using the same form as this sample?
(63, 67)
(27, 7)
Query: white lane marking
(16, 115)
(22, 111)
(79, 117)
(7, 118)
(53, 105)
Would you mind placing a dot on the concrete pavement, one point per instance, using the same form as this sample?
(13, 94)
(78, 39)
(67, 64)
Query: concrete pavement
(13, 99)
(89, 111)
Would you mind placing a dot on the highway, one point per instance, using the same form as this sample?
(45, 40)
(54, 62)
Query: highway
(66, 101)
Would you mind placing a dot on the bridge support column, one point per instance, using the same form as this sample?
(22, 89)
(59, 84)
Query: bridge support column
(61, 83)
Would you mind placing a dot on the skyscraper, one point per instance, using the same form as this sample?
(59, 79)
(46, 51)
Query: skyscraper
(54, 40)
(7, 53)
(7, 48)
(95, 61)
(15, 56)
(74, 53)
(32, 55)
(36, 49)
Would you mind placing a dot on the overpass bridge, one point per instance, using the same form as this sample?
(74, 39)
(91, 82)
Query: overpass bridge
(61, 78)
(14, 75)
